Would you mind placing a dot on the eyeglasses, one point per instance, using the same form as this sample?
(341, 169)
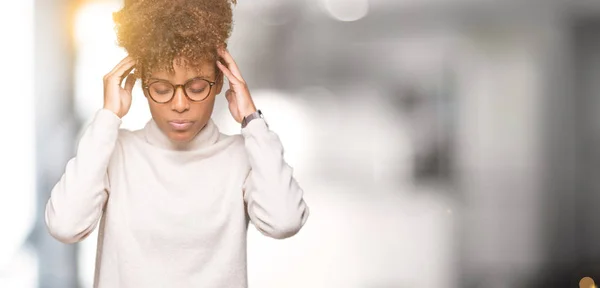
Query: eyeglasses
(196, 90)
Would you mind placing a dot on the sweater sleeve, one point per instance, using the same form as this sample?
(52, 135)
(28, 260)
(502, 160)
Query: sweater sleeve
(273, 198)
(77, 200)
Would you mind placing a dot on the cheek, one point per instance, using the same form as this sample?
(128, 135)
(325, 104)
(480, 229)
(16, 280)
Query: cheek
(205, 107)
(158, 111)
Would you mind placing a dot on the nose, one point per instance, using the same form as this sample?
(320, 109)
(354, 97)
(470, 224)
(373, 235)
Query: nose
(180, 103)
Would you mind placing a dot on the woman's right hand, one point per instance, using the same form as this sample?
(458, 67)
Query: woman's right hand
(116, 98)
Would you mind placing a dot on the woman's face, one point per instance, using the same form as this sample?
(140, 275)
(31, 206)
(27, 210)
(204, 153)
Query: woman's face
(180, 118)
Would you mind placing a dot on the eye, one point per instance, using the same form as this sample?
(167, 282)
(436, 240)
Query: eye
(161, 88)
(197, 86)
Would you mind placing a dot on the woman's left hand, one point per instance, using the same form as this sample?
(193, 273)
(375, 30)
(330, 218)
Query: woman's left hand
(238, 95)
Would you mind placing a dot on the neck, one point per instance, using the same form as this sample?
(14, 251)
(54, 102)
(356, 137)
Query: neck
(207, 136)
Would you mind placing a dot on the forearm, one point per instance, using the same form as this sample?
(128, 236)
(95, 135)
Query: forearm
(274, 198)
(77, 200)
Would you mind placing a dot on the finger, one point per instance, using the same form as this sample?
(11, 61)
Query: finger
(120, 72)
(230, 95)
(125, 74)
(227, 73)
(121, 63)
(129, 83)
(230, 62)
(125, 69)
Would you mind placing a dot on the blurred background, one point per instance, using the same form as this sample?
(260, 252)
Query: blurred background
(440, 143)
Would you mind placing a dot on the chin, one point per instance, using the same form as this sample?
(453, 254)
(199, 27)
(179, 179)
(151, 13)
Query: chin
(181, 137)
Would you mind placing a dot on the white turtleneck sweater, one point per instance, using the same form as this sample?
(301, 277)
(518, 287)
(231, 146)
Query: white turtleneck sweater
(174, 216)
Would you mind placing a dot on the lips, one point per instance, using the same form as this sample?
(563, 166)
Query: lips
(180, 125)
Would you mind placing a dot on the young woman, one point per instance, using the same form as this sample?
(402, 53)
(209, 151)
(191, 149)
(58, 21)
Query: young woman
(175, 198)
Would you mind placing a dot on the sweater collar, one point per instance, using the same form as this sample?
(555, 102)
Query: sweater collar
(206, 137)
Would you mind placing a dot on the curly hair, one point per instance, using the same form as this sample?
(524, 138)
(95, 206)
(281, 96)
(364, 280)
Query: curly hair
(157, 32)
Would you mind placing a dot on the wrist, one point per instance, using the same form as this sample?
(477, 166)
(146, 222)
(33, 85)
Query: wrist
(256, 115)
(248, 111)
(113, 110)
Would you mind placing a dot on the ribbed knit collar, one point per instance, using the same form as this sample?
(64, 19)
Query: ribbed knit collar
(209, 135)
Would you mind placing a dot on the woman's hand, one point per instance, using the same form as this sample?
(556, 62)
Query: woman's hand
(238, 95)
(116, 98)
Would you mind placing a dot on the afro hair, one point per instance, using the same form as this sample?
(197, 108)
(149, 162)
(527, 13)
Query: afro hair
(157, 32)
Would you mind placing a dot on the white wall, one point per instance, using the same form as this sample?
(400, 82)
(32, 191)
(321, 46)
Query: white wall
(17, 148)
(498, 155)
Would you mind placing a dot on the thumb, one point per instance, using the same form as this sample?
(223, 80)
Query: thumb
(230, 96)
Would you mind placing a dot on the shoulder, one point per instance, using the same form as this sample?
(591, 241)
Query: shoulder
(235, 146)
(127, 135)
(233, 142)
(129, 138)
